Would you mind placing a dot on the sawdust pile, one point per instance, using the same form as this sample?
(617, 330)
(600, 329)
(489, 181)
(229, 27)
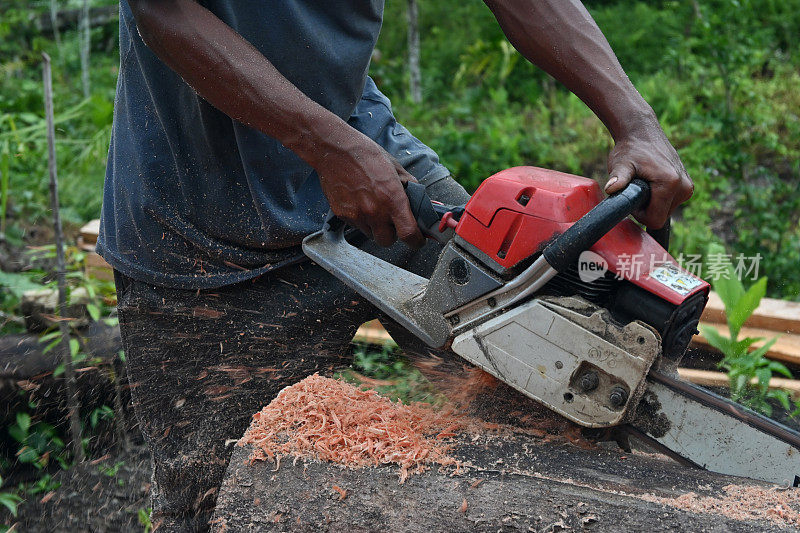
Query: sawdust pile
(331, 420)
(780, 506)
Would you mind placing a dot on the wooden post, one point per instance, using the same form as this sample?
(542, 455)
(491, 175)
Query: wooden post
(69, 374)
(415, 77)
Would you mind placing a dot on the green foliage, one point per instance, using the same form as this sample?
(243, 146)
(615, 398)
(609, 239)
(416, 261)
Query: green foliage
(389, 372)
(104, 412)
(112, 471)
(744, 366)
(42, 485)
(144, 519)
(38, 442)
(9, 499)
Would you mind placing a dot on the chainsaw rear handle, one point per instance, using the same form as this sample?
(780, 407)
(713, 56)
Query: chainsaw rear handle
(422, 207)
(563, 252)
(427, 213)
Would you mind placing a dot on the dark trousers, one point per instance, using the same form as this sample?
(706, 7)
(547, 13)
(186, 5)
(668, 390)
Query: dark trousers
(200, 363)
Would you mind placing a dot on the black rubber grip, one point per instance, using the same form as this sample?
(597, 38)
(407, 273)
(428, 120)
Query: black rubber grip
(563, 252)
(421, 206)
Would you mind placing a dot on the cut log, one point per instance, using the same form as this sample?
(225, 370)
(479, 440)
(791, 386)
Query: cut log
(509, 483)
(90, 231)
(98, 268)
(373, 333)
(530, 472)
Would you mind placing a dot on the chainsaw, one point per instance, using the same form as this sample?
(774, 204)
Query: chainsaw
(552, 288)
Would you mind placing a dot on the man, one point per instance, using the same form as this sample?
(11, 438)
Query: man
(236, 125)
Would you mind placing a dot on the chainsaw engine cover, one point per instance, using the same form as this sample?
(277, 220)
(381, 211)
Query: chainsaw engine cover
(567, 354)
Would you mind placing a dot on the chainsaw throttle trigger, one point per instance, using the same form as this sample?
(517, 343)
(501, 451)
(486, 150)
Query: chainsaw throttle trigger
(563, 252)
(429, 213)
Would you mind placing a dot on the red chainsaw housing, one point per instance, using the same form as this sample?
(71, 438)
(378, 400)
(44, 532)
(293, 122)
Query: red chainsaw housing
(517, 212)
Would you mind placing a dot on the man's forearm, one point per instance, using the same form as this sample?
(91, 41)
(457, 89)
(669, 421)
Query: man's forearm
(561, 37)
(232, 75)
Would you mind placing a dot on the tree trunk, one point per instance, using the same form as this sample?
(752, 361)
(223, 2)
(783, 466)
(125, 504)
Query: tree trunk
(415, 78)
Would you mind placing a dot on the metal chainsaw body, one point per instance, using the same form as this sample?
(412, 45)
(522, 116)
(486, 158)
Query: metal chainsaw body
(509, 295)
(566, 353)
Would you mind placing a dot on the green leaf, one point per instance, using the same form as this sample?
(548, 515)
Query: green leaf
(24, 421)
(28, 455)
(762, 350)
(780, 368)
(52, 345)
(727, 285)
(49, 336)
(782, 397)
(93, 311)
(74, 347)
(17, 434)
(741, 381)
(744, 307)
(17, 283)
(721, 343)
(10, 501)
(763, 375)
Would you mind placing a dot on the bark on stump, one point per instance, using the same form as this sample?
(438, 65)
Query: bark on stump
(511, 482)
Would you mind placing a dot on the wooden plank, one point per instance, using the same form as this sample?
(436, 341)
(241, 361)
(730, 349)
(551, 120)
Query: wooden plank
(776, 315)
(786, 349)
(710, 378)
(90, 232)
(372, 333)
(96, 267)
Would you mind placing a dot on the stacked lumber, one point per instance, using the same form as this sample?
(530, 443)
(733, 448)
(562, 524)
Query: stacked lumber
(96, 266)
(772, 318)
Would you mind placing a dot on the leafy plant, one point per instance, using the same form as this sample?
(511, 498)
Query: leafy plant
(42, 485)
(144, 519)
(112, 471)
(9, 500)
(749, 371)
(98, 414)
(38, 442)
(386, 370)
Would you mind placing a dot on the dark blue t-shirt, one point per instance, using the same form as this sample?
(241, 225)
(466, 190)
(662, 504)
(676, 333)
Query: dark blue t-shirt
(193, 198)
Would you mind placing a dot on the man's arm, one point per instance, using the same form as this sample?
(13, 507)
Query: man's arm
(561, 37)
(361, 181)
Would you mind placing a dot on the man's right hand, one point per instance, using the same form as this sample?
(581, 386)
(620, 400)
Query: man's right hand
(364, 186)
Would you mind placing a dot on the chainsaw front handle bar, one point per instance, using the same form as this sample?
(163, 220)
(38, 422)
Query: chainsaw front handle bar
(563, 252)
